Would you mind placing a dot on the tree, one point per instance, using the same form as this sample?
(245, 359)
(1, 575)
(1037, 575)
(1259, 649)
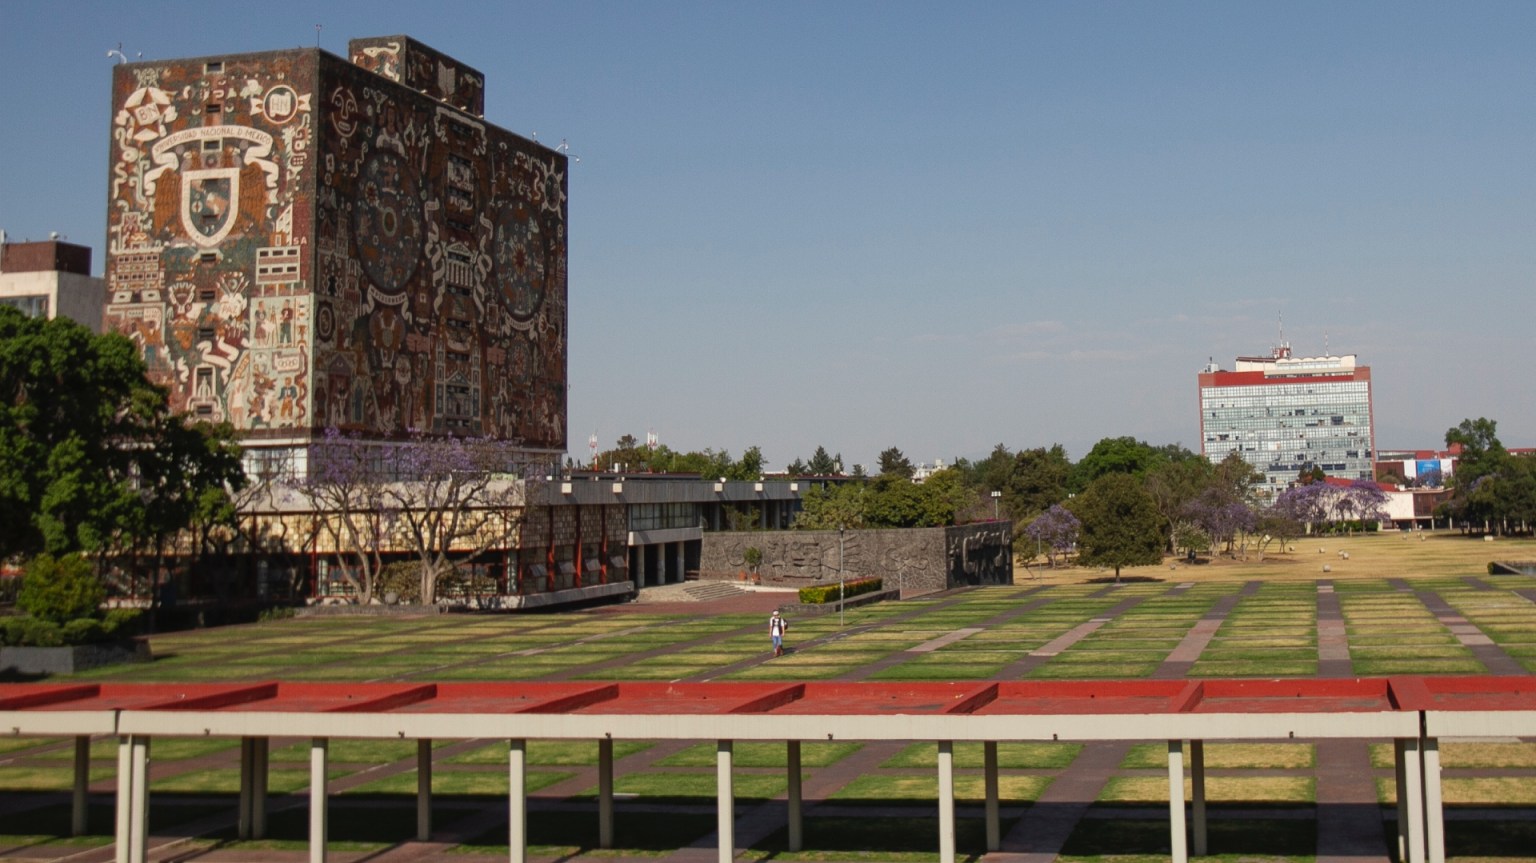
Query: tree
(59, 590)
(1220, 515)
(1173, 486)
(821, 464)
(1038, 479)
(893, 463)
(831, 507)
(345, 487)
(1056, 529)
(749, 467)
(1481, 465)
(1116, 455)
(893, 500)
(1120, 523)
(796, 468)
(90, 454)
(455, 498)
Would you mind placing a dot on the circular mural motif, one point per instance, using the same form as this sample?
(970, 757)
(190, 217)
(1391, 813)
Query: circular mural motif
(520, 262)
(325, 322)
(387, 223)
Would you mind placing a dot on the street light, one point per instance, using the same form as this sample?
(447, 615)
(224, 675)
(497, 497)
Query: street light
(995, 496)
(839, 575)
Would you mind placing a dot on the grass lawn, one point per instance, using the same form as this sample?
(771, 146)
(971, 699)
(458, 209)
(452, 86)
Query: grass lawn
(1270, 631)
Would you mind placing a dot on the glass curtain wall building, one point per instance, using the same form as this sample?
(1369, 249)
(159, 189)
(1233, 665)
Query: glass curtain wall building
(1284, 413)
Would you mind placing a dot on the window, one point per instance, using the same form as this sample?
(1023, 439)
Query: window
(31, 305)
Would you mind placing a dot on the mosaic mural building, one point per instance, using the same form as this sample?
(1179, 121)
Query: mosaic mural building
(297, 241)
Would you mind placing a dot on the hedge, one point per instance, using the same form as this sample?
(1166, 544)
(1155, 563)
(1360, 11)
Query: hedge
(829, 592)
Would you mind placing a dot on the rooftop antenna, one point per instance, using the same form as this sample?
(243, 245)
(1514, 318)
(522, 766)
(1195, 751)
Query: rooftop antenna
(318, 28)
(118, 53)
(565, 147)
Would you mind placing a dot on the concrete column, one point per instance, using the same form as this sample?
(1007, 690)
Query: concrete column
(1197, 795)
(124, 792)
(260, 763)
(725, 802)
(517, 800)
(138, 805)
(423, 790)
(319, 823)
(994, 822)
(640, 566)
(680, 561)
(1400, 778)
(1413, 772)
(605, 792)
(1176, 802)
(247, 786)
(946, 801)
(1434, 805)
(796, 810)
(80, 801)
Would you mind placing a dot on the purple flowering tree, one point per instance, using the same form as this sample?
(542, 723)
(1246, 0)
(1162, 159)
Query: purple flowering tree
(1056, 530)
(1364, 501)
(345, 487)
(1222, 517)
(455, 498)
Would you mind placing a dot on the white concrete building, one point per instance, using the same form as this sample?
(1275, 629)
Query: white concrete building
(51, 278)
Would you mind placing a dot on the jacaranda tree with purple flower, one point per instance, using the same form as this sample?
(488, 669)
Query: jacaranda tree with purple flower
(1056, 530)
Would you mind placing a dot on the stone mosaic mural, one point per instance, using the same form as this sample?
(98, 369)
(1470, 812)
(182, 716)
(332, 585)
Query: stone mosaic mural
(296, 242)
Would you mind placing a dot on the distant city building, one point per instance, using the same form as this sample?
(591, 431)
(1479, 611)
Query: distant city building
(298, 241)
(925, 470)
(1283, 413)
(50, 278)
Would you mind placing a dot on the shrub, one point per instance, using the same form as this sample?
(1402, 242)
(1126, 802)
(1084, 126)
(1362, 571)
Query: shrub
(34, 632)
(60, 589)
(121, 623)
(82, 630)
(403, 578)
(823, 593)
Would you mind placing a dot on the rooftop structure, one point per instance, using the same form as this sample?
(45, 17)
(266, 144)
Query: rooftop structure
(50, 278)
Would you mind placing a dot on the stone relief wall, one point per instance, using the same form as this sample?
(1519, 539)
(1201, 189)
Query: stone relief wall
(915, 560)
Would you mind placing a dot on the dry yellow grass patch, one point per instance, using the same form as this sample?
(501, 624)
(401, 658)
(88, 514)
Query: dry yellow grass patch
(1218, 789)
(1386, 555)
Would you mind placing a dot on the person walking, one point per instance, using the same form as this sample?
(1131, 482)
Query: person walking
(776, 628)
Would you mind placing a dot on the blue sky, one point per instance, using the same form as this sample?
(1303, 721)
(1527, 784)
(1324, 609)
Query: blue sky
(945, 226)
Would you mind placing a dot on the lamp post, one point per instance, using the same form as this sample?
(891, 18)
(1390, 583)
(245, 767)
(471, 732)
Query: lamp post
(839, 575)
(995, 496)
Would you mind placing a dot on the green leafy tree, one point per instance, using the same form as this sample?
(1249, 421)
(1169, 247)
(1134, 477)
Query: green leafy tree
(894, 463)
(893, 501)
(749, 467)
(1120, 523)
(90, 454)
(822, 464)
(1491, 488)
(60, 589)
(1116, 455)
(1038, 480)
(1173, 485)
(832, 506)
